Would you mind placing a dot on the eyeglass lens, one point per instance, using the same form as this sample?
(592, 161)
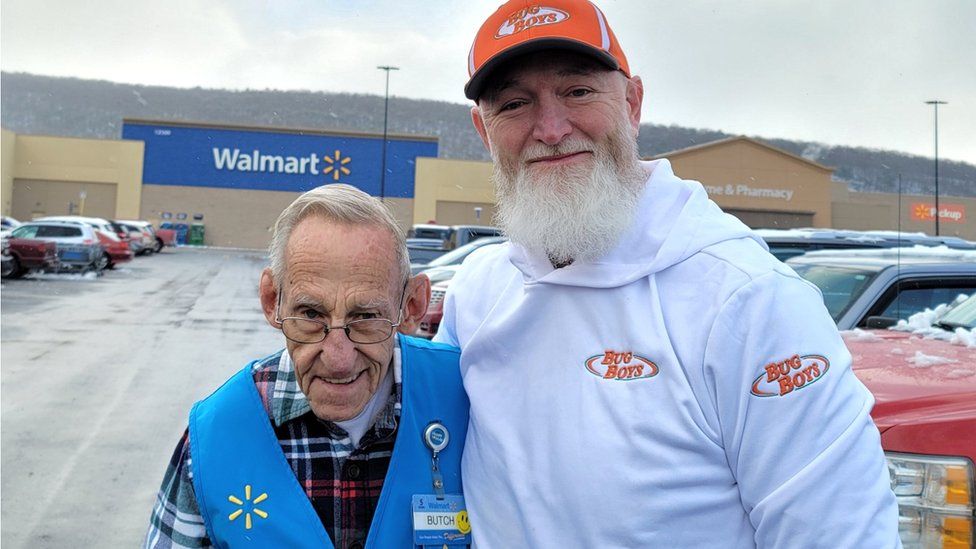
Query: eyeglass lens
(359, 331)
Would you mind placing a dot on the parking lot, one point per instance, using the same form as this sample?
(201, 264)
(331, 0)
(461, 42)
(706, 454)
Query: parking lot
(98, 376)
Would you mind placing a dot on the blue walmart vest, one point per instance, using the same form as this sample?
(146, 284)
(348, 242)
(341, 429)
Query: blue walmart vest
(249, 495)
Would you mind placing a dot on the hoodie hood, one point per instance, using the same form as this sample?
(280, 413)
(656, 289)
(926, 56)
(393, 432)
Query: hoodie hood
(674, 219)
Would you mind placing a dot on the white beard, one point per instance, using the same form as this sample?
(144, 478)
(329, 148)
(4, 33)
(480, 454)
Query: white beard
(574, 214)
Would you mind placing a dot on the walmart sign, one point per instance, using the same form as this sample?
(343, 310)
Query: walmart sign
(202, 156)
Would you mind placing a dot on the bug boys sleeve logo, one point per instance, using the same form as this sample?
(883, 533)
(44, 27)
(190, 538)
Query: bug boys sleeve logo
(621, 366)
(794, 373)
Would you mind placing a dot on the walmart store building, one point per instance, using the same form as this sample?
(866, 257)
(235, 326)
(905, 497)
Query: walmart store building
(236, 180)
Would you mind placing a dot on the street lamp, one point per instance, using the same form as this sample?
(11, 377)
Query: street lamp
(936, 103)
(386, 114)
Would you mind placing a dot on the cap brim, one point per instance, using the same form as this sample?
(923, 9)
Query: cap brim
(476, 85)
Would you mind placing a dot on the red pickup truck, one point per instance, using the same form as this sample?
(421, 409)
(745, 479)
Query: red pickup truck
(924, 385)
(22, 255)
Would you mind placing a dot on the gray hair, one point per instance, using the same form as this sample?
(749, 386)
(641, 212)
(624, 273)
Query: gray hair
(342, 204)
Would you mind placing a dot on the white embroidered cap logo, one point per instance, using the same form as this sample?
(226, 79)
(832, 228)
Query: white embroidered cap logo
(532, 16)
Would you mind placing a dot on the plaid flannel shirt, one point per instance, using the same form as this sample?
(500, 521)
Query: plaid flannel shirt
(342, 482)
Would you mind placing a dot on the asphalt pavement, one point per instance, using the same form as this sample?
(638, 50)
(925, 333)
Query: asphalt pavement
(97, 376)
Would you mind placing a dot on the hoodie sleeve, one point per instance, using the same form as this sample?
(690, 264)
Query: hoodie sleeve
(795, 421)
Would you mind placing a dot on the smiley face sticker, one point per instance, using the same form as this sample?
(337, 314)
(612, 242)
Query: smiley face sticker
(461, 521)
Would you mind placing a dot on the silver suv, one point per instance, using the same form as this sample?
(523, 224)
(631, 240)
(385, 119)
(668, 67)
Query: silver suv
(78, 246)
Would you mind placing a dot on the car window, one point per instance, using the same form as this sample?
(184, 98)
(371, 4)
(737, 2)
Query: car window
(916, 300)
(962, 316)
(457, 255)
(30, 231)
(840, 285)
(60, 231)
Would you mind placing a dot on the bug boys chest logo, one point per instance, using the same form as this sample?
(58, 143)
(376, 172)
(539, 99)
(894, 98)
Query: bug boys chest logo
(794, 373)
(621, 366)
(532, 16)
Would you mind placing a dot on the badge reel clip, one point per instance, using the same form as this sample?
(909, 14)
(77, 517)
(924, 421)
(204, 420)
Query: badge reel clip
(436, 438)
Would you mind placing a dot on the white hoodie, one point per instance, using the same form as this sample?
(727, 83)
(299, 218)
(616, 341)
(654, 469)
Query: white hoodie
(687, 390)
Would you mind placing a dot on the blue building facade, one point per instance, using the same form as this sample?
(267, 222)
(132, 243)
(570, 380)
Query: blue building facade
(229, 157)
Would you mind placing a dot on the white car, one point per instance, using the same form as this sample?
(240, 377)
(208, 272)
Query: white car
(144, 234)
(78, 245)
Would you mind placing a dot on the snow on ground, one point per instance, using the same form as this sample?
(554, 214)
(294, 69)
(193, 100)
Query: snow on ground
(90, 275)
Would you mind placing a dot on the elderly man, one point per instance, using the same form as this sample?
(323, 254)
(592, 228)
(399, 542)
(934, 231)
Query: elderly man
(642, 373)
(332, 441)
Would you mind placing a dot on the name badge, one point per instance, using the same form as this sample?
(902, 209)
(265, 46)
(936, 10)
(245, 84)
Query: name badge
(440, 522)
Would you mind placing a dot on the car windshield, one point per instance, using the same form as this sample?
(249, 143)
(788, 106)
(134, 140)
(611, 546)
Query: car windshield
(456, 256)
(840, 285)
(962, 315)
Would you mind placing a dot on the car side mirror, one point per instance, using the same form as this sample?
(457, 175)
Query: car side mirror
(880, 322)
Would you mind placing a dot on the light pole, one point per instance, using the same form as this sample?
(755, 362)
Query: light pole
(386, 114)
(936, 103)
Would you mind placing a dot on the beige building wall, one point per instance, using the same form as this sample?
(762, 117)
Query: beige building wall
(8, 153)
(75, 163)
(232, 218)
(880, 211)
(452, 189)
(34, 198)
(738, 171)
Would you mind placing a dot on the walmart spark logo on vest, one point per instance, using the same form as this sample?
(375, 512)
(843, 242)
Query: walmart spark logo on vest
(334, 165)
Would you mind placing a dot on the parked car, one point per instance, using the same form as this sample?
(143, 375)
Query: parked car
(116, 249)
(431, 320)
(456, 256)
(788, 243)
(77, 244)
(925, 409)
(453, 236)
(23, 255)
(143, 238)
(164, 237)
(8, 223)
(876, 288)
(425, 250)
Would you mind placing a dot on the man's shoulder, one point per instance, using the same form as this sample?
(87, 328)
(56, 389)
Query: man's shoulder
(273, 379)
(417, 343)
(744, 258)
(485, 266)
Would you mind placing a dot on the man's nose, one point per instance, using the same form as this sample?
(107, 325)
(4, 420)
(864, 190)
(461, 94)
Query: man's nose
(336, 342)
(552, 123)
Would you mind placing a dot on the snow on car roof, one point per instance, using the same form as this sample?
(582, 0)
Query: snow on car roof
(908, 252)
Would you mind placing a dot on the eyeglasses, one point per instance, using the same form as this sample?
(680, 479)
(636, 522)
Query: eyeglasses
(364, 331)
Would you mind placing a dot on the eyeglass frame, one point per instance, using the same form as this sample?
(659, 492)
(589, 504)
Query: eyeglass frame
(344, 327)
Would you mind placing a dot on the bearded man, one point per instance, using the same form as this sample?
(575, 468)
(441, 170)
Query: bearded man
(641, 371)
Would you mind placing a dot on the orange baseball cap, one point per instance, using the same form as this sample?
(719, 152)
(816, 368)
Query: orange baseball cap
(524, 26)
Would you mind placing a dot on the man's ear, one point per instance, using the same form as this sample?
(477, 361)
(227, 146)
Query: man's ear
(479, 124)
(415, 303)
(269, 297)
(635, 98)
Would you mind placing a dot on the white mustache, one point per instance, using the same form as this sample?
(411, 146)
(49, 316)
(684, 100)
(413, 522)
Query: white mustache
(541, 150)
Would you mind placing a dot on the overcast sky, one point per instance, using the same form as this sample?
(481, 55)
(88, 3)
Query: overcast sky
(842, 72)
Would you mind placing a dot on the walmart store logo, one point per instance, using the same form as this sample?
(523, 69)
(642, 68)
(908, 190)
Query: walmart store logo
(333, 166)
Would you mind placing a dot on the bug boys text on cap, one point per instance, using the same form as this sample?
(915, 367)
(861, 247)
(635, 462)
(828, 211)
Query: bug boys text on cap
(524, 26)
